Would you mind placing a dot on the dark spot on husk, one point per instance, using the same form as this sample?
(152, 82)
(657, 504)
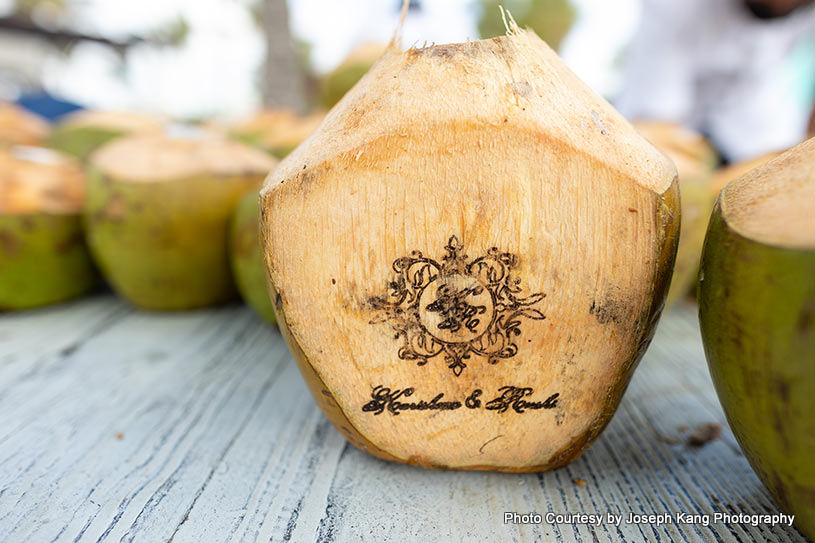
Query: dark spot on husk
(71, 242)
(113, 209)
(806, 319)
(246, 242)
(9, 243)
(28, 224)
(783, 390)
(609, 310)
(779, 427)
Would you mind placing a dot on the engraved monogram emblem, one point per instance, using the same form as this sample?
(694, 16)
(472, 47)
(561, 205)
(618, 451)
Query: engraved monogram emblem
(457, 308)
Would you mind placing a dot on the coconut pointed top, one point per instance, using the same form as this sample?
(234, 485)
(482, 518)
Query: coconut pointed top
(775, 203)
(514, 80)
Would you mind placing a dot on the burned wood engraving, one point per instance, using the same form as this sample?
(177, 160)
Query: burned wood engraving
(457, 308)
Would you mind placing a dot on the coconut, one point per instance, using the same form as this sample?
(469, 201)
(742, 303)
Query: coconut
(276, 131)
(339, 81)
(80, 133)
(757, 313)
(158, 213)
(695, 160)
(43, 257)
(469, 256)
(247, 259)
(734, 171)
(21, 127)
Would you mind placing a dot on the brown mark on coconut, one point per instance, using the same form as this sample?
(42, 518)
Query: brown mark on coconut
(608, 310)
(76, 239)
(9, 243)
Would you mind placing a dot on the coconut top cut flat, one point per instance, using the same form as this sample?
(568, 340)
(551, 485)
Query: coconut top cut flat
(277, 128)
(775, 203)
(115, 121)
(156, 158)
(508, 80)
(689, 150)
(734, 171)
(37, 180)
(20, 127)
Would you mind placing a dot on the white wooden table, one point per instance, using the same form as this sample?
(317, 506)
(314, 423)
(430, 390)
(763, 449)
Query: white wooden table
(118, 425)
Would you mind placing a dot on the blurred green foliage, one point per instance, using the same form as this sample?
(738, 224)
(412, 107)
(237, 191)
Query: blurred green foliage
(49, 9)
(550, 19)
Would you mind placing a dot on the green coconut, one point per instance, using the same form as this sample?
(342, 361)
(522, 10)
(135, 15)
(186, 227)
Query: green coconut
(158, 216)
(81, 133)
(21, 127)
(277, 131)
(734, 171)
(43, 257)
(549, 19)
(339, 81)
(695, 160)
(757, 312)
(247, 258)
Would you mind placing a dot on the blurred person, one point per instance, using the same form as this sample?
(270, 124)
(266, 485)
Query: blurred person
(725, 68)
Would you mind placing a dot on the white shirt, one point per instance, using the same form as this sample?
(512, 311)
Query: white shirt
(713, 66)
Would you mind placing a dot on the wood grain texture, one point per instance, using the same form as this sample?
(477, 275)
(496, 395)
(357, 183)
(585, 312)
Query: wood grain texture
(124, 426)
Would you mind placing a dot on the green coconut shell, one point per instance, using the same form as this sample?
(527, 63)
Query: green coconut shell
(338, 82)
(81, 133)
(43, 260)
(697, 204)
(161, 240)
(43, 256)
(695, 160)
(757, 314)
(246, 257)
(278, 132)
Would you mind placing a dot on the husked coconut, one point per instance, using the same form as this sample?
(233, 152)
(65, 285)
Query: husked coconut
(469, 256)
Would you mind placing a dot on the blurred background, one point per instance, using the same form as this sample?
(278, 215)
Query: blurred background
(198, 59)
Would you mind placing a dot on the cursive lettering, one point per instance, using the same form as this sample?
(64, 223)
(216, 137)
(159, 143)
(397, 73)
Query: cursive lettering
(384, 399)
(513, 398)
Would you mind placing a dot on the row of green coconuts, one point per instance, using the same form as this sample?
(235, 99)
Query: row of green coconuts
(169, 212)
